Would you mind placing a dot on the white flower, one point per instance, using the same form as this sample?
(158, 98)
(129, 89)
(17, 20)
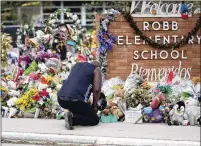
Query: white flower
(79, 32)
(26, 26)
(41, 101)
(75, 17)
(69, 54)
(52, 21)
(56, 41)
(40, 34)
(74, 38)
(49, 90)
(78, 21)
(21, 46)
(71, 15)
(58, 86)
(67, 14)
(19, 37)
(51, 15)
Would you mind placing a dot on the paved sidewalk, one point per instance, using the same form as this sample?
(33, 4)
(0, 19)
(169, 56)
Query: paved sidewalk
(103, 134)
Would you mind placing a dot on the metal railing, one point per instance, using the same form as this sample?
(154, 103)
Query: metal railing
(82, 12)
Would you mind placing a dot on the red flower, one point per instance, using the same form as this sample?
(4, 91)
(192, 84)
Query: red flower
(36, 97)
(81, 58)
(43, 93)
(51, 70)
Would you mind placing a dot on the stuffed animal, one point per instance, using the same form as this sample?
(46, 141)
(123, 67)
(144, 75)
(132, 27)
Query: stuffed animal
(197, 11)
(116, 111)
(193, 111)
(158, 101)
(178, 115)
(119, 93)
(195, 80)
(106, 111)
(184, 10)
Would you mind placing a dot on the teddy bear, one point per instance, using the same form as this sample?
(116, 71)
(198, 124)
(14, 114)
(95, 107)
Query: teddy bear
(178, 116)
(193, 111)
(116, 111)
(195, 80)
(113, 109)
(119, 93)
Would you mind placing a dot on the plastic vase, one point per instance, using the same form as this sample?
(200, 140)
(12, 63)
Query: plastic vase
(37, 113)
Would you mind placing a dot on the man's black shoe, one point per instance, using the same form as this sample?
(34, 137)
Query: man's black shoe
(68, 120)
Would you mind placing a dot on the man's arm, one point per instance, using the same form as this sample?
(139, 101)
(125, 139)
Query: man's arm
(96, 86)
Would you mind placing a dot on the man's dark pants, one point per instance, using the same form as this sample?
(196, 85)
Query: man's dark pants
(83, 113)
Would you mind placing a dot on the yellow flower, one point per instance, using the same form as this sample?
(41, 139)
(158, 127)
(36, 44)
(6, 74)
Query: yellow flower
(48, 78)
(22, 108)
(93, 45)
(3, 88)
(93, 32)
(8, 77)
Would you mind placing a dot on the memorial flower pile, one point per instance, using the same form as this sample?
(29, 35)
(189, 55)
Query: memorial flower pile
(149, 101)
(31, 81)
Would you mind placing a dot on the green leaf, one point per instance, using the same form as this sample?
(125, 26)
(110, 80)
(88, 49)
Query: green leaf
(31, 110)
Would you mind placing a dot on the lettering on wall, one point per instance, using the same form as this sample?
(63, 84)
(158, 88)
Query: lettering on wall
(159, 74)
(148, 8)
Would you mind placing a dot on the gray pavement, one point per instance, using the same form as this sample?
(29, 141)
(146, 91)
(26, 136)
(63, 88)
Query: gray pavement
(116, 131)
(11, 144)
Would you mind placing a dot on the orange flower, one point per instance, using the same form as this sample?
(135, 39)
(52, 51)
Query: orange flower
(43, 80)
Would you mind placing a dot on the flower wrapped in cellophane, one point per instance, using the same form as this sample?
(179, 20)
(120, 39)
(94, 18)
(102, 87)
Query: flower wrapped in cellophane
(26, 101)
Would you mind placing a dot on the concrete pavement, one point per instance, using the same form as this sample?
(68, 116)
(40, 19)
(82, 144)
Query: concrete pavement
(103, 134)
(10, 144)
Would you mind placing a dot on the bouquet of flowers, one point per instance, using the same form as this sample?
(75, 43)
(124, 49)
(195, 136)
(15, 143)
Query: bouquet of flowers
(134, 97)
(26, 101)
